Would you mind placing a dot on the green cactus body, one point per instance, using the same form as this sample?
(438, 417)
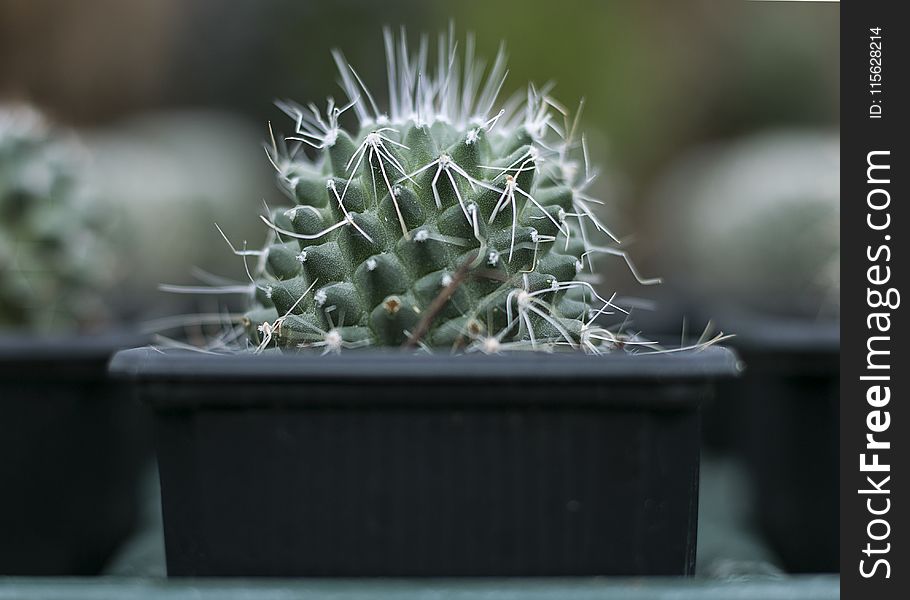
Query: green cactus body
(438, 222)
(49, 263)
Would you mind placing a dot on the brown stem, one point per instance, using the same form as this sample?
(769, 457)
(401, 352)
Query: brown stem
(439, 303)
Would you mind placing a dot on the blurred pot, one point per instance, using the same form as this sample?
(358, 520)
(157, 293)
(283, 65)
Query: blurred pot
(72, 450)
(783, 417)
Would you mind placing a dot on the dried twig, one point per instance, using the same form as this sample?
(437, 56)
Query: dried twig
(460, 275)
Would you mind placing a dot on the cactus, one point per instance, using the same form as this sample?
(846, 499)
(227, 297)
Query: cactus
(444, 221)
(756, 221)
(49, 265)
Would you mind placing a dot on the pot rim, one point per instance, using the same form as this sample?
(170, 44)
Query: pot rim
(150, 364)
(61, 356)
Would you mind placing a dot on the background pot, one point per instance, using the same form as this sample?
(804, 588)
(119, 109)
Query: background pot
(784, 412)
(372, 464)
(71, 452)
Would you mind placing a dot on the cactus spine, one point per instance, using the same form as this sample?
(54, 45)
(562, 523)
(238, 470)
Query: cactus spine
(444, 221)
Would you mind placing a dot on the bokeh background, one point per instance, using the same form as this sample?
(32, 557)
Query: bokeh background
(173, 98)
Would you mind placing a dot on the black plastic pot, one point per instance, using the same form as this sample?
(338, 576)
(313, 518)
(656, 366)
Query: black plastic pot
(784, 415)
(371, 464)
(71, 452)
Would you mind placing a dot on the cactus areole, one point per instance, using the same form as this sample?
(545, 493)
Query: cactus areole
(445, 220)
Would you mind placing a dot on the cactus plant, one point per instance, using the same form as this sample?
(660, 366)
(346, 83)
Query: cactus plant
(756, 221)
(444, 221)
(49, 264)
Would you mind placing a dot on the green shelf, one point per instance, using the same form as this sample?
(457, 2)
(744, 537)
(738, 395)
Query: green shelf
(820, 587)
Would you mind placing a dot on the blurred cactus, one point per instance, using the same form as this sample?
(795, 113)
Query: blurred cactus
(170, 175)
(443, 221)
(51, 263)
(756, 222)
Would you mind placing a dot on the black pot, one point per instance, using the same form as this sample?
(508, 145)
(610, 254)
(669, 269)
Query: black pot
(71, 452)
(370, 464)
(782, 416)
